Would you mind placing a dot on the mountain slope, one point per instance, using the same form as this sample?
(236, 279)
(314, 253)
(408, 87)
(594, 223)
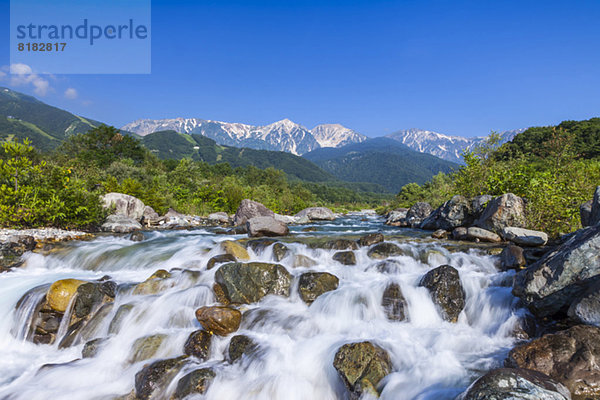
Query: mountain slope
(443, 146)
(283, 135)
(24, 116)
(382, 161)
(174, 145)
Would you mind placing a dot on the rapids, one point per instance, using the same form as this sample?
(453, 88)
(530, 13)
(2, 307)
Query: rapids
(432, 359)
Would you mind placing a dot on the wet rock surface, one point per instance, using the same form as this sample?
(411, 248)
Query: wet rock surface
(345, 257)
(446, 291)
(515, 384)
(362, 366)
(371, 239)
(248, 283)
(394, 303)
(196, 382)
(568, 357)
(155, 376)
(313, 284)
(198, 344)
(219, 320)
(239, 346)
(385, 250)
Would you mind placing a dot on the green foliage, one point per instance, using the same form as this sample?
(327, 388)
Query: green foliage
(43, 193)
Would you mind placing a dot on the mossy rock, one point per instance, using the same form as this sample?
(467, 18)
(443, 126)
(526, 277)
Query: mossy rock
(235, 249)
(241, 283)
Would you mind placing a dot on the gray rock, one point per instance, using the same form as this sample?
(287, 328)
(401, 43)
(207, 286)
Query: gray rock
(460, 233)
(550, 285)
(585, 213)
(124, 204)
(512, 257)
(452, 214)
(345, 257)
(136, 237)
(515, 384)
(313, 284)
(586, 309)
(280, 251)
(503, 211)
(219, 217)
(397, 217)
(417, 213)
(149, 214)
(266, 226)
(248, 283)
(196, 382)
(362, 366)
(250, 209)
(595, 211)
(525, 237)
(446, 291)
(479, 203)
(385, 250)
(569, 357)
(317, 214)
(118, 223)
(475, 233)
(12, 249)
(393, 302)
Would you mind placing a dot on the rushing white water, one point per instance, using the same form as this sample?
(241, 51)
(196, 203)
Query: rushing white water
(432, 359)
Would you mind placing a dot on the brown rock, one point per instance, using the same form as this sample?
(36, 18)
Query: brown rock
(220, 320)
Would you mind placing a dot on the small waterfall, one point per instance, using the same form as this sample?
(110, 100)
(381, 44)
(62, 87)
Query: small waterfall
(151, 319)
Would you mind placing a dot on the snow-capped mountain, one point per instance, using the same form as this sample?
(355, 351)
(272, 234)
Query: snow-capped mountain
(283, 135)
(443, 146)
(335, 135)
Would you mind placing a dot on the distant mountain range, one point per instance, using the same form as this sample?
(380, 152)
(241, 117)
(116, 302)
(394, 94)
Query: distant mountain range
(382, 161)
(283, 135)
(443, 146)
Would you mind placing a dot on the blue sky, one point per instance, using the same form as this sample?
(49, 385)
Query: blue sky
(457, 67)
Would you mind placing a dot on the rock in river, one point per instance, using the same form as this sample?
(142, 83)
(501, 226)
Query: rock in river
(250, 209)
(314, 284)
(196, 382)
(345, 257)
(385, 250)
(198, 344)
(362, 366)
(248, 283)
(446, 291)
(266, 226)
(219, 320)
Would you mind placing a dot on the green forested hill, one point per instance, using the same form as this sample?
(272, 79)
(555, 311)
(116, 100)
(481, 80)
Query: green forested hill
(24, 116)
(382, 161)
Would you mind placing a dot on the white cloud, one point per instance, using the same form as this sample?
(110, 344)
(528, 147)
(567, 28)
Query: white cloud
(71, 94)
(2, 75)
(22, 75)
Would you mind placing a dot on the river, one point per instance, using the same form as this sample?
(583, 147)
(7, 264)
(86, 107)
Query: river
(432, 358)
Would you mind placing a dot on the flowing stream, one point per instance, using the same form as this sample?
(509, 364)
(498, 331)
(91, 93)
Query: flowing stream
(432, 358)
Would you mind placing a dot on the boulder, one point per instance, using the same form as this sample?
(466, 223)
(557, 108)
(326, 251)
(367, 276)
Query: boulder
(515, 384)
(460, 233)
(512, 258)
(385, 250)
(300, 260)
(501, 212)
(362, 366)
(550, 285)
(118, 223)
(595, 208)
(440, 234)
(452, 214)
(250, 209)
(174, 219)
(479, 203)
(124, 204)
(479, 234)
(196, 382)
(146, 347)
(156, 283)
(524, 237)
(396, 217)
(317, 214)
(339, 244)
(569, 357)
(585, 213)
(198, 345)
(248, 283)
(235, 249)
(137, 236)
(12, 250)
(155, 376)
(290, 219)
(393, 302)
(313, 284)
(219, 320)
(61, 292)
(93, 347)
(586, 308)
(220, 259)
(219, 218)
(417, 213)
(280, 250)
(446, 291)
(239, 346)
(345, 257)
(370, 239)
(266, 226)
(149, 214)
